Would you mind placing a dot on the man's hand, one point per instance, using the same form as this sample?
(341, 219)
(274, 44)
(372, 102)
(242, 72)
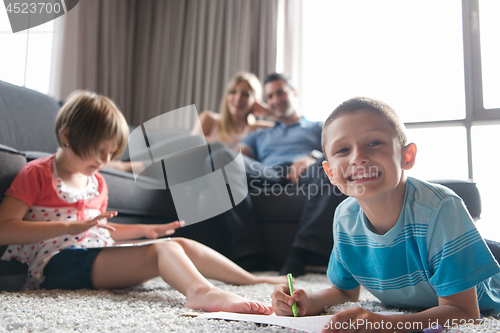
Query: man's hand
(298, 167)
(154, 231)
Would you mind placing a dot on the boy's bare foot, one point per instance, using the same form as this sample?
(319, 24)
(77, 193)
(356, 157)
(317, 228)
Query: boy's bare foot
(212, 299)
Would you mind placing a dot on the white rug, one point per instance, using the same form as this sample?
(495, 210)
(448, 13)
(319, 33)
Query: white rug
(151, 307)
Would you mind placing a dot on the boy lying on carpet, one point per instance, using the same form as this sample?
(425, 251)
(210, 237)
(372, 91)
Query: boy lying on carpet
(408, 242)
(68, 249)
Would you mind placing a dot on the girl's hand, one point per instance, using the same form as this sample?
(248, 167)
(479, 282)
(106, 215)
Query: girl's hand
(282, 301)
(77, 227)
(161, 230)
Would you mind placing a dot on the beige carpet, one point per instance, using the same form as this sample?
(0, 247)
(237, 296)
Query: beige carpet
(150, 307)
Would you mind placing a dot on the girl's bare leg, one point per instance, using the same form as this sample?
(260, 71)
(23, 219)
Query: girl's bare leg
(118, 268)
(214, 265)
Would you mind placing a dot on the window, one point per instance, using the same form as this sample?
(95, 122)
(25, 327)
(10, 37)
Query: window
(400, 52)
(441, 153)
(486, 159)
(490, 52)
(26, 61)
(435, 62)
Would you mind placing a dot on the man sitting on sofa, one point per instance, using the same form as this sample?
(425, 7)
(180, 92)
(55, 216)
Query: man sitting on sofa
(287, 153)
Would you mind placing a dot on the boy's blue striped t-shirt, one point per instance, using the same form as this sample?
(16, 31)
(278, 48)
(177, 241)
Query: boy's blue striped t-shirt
(434, 250)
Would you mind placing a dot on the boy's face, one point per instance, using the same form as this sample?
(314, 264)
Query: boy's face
(364, 154)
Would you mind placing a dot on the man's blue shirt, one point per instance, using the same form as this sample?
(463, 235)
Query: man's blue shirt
(281, 143)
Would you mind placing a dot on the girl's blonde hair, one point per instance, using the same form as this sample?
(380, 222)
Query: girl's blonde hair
(91, 119)
(225, 129)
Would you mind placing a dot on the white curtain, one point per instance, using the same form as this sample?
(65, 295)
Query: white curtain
(154, 56)
(292, 42)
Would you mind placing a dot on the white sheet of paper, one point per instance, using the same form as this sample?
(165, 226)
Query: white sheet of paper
(313, 324)
(138, 242)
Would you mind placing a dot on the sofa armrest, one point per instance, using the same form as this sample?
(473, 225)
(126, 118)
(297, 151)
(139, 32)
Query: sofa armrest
(33, 155)
(468, 191)
(11, 162)
(12, 273)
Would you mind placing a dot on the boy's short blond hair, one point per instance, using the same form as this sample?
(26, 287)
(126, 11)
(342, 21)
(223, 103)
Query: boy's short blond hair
(91, 119)
(365, 103)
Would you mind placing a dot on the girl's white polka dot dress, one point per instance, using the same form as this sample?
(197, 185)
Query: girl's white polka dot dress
(37, 255)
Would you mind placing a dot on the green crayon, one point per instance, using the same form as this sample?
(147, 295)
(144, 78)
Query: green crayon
(290, 286)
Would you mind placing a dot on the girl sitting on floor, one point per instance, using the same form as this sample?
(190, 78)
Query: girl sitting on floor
(70, 248)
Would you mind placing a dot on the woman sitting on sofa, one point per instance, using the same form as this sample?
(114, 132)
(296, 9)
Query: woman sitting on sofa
(235, 121)
(236, 118)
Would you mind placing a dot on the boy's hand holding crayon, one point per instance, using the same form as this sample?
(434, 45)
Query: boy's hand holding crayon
(282, 301)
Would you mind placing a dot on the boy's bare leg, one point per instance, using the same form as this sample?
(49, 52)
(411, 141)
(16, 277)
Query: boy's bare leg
(118, 268)
(214, 265)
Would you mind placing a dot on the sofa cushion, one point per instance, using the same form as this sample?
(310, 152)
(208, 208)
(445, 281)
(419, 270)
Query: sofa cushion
(128, 198)
(270, 204)
(28, 119)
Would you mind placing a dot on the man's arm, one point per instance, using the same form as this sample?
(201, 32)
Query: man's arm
(298, 167)
(248, 145)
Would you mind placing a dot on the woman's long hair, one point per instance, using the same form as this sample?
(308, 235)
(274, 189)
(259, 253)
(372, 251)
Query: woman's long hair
(225, 128)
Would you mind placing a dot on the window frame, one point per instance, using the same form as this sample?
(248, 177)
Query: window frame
(475, 113)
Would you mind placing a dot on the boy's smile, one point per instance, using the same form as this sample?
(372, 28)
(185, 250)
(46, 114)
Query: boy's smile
(365, 157)
(362, 176)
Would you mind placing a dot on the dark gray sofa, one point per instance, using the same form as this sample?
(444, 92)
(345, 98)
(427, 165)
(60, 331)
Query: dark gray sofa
(27, 132)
